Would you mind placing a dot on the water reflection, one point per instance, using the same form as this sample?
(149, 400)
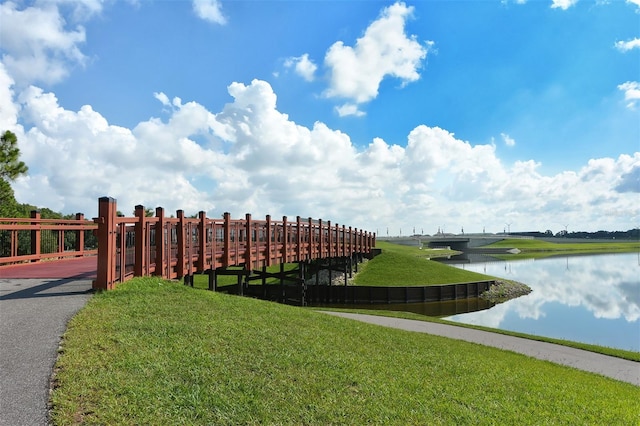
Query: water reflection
(593, 299)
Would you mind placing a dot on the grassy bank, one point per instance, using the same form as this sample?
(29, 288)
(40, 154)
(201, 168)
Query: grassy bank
(156, 352)
(400, 265)
(539, 248)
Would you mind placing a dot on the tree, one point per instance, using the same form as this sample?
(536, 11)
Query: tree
(10, 168)
(7, 200)
(10, 165)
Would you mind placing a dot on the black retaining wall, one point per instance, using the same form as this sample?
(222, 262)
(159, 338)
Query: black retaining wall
(313, 294)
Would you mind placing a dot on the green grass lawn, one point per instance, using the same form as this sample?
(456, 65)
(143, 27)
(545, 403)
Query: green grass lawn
(160, 353)
(400, 265)
(540, 249)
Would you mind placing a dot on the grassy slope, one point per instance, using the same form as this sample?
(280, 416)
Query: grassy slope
(155, 352)
(405, 266)
(539, 249)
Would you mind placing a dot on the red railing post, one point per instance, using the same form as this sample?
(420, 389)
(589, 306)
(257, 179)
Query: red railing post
(330, 240)
(298, 239)
(248, 255)
(80, 236)
(106, 221)
(161, 243)
(180, 235)
(321, 242)
(226, 259)
(311, 248)
(139, 267)
(202, 239)
(269, 247)
(285, 240)
(35, 235)
(343, 240)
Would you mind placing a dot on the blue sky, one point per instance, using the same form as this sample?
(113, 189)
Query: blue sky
(432, 114)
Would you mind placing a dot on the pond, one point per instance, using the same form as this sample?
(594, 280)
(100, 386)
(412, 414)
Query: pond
(592, 299)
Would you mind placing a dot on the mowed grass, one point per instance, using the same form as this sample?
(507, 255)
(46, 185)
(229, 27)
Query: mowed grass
(400, 265)
(539, 248)
(159, 353)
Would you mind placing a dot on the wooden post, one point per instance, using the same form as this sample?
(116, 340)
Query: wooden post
(139, 268)
(226, 258)
(344, 241)
(212, 279)
(35, 236)
(269, 239)
(298, 239)
(303, 284)
(311, 247)
(180, 234)
(321, 242)
(121, 239)
(202, 238)
(285, 240)
(248, 252)
(330, 242)
(79, 236)
(161, 242)
(106, 219)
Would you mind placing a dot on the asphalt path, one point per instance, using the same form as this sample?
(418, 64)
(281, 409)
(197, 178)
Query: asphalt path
(616, 368)
(33, 317)
(34, 314)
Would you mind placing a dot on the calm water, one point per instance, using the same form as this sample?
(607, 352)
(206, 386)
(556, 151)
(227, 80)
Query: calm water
(592, 299)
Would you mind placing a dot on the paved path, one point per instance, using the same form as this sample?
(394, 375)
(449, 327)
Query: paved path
(616, 368)
(33, 316)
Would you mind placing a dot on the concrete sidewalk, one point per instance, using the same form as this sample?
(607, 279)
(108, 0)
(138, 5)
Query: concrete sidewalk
(33, 317)
(616, 368)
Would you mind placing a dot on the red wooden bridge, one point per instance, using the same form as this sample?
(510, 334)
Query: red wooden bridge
(115, 249)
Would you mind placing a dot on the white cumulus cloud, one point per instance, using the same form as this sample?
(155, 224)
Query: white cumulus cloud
(625, 46)
(563, 4)
(209, 10)
(508, 140)
(384, 50)
(349, 109)
(250, 157)
(37, 45)
(631, 91)
(303, 66)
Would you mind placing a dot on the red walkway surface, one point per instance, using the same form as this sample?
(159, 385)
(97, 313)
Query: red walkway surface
(84, 267)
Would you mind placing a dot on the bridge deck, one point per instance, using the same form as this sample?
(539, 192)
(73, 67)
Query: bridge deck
(84, 267)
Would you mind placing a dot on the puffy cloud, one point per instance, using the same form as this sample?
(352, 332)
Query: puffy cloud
(8, 110)
(384, 50)
(349, 109)
(209, 10)
(625, 46)
(563, 4)
(508, 140)
(636, 2)
(630, 181)
(162, 98)
(631, 91)
(36, 45)
(251, 157)
(303, 66)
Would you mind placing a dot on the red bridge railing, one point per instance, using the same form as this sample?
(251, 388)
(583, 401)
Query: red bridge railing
(177, 247)
(34, 239)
